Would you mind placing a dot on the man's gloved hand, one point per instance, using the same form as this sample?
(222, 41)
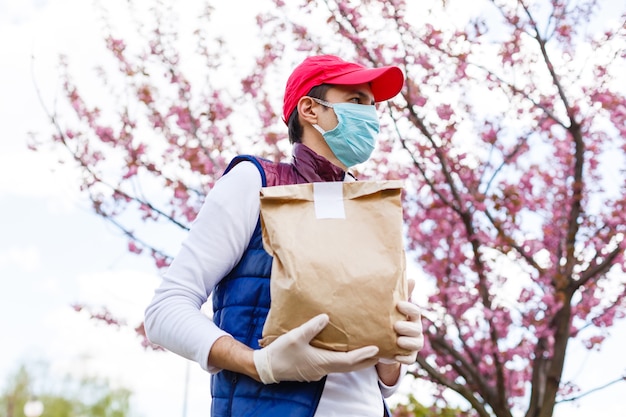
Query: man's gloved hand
(291, 358)
(410, 336)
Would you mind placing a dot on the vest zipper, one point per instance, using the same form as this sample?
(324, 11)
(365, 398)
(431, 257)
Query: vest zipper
(233, 379)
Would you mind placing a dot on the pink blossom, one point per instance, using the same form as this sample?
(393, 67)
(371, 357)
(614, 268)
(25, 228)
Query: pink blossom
(133, 248)
(183, 118)
(105, 134)
(131, 171)
(444, 111)
(144, 94)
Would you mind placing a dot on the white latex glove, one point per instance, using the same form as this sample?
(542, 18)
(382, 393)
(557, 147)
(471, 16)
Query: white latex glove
(409, 331)
(291, 358)
(410, 336)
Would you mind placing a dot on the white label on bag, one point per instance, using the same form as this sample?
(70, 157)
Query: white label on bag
(328, 199)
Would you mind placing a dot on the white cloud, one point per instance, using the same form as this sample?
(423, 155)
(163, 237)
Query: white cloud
(26, 259)
(32, 174)
(17, 12)
(125, 293)
(30, 47)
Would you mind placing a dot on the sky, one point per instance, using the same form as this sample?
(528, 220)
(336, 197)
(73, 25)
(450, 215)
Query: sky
(54, 251)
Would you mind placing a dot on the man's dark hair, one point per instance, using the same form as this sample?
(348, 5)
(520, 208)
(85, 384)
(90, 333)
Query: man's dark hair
(293, 124)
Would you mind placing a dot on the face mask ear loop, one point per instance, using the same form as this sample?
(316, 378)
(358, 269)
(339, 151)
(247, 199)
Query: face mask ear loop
(322, 102)
(325, 104)
(318, 128)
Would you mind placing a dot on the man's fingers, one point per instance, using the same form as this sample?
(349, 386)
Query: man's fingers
(410, 310)
(361, 354)
(411, 343)
(407, 360)
(408, 328)
(311, 328)
(352, 360)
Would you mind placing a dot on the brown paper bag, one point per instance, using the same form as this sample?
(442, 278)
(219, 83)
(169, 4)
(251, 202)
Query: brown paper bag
(337, 249)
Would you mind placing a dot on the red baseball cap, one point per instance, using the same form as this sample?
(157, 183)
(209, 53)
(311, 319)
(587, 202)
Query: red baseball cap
(385, 82)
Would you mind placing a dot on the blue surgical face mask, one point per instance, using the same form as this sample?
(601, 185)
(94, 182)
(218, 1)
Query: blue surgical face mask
(354, 138)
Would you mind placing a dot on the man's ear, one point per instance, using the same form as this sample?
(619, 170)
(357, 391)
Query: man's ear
(307, 109)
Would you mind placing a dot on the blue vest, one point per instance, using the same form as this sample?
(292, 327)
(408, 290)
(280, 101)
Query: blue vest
(241, 302)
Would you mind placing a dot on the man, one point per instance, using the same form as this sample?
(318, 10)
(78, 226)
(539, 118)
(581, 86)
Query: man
(332, 121)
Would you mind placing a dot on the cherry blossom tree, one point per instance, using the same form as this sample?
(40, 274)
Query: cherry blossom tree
(510, 135)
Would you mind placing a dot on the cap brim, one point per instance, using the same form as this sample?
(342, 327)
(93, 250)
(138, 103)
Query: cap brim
(386, 82)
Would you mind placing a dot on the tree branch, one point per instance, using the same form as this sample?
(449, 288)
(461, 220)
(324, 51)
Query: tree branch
(463, 390)
(591, 391)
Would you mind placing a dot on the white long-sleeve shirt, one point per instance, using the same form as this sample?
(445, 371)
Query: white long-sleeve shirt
(215, 244)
